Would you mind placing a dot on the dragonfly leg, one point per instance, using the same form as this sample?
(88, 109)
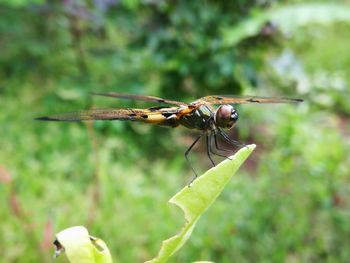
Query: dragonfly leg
(229, 140)
(217, 145)
(209, 150)
(217, 148)
(188, 161)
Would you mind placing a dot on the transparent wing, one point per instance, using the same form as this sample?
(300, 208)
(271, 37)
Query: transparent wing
(140, 97)
(218, 99)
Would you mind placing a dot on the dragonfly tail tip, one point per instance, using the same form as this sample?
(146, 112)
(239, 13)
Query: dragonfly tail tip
(45, 119)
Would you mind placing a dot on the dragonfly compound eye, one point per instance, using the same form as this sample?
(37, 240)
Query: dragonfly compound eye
(226, 116)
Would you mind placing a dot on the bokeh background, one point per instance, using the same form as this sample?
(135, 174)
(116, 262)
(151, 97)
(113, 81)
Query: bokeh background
(288, 203)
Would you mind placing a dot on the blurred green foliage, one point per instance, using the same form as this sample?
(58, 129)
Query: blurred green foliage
(290, 203)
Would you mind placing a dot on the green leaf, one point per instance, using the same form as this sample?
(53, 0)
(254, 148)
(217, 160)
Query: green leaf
(80, 247)
(197, 198)
(287, 18)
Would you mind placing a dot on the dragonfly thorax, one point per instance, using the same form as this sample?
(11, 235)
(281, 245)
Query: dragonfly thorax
(200, 119)
(225, 116)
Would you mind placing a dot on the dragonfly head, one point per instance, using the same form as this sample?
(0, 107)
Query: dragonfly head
(225, 116)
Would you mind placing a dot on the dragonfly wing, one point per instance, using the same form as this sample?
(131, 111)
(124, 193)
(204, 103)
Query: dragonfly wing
(144, 115)
(218, 99)
(140, 97)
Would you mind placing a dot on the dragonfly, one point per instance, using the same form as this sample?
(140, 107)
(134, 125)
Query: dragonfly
(200, 115)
